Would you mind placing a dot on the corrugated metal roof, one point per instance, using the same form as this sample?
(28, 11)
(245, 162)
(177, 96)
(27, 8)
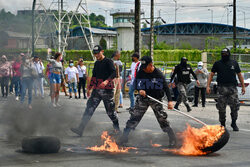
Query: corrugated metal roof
(102, 31)
(17, 34)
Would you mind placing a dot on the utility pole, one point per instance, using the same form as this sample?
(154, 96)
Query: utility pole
(152, 29)
(234, 24)
(175, 19)
(212, 21)
(59, 26)
(33, 29)
(137, 37)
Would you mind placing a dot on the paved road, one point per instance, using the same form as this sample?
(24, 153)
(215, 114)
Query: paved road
(16, 122)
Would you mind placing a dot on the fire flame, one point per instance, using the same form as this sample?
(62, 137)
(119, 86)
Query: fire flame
(194, 140)
(110, 145)
(155, 145)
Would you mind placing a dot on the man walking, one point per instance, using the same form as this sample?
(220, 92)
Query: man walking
(150, 81)
(226, 70)
(183, 71)
(102, 85)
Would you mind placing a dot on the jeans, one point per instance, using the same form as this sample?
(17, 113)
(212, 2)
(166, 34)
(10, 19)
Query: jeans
(27, 83)
(17, 84)
(121, 98)
(11, 84)
(5, 85)
(38, 84)
(131, 95)
(72, 86)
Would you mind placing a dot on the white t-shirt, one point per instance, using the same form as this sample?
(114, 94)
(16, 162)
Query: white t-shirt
(81, 70)
(39, 67)
(71, 72)
(133, 65)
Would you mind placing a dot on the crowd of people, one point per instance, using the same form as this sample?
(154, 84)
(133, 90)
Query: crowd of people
(25, 73)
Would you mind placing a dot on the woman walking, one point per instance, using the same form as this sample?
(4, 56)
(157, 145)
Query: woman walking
(57, 73)
(82, 78)
(72, 78)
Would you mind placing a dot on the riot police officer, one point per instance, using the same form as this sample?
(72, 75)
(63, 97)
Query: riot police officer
(183, 71)
(226, 70)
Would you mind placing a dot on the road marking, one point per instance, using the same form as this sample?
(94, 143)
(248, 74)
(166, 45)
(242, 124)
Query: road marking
(245, 130)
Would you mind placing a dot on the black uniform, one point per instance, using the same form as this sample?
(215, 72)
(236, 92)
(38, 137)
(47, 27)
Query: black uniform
(228, 93)
(183, 72)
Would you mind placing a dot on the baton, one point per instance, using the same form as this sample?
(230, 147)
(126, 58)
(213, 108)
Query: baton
(178, 111)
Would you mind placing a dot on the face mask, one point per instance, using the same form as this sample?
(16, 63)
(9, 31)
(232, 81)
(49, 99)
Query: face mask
(184, 63)
(71, 64)
(61, 58)
(199, 67)
(225, 57)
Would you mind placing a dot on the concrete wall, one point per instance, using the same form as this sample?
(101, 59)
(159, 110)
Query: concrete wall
(79, 43)
(125, 38)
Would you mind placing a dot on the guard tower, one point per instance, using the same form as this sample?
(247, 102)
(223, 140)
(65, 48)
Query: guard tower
(123, 21)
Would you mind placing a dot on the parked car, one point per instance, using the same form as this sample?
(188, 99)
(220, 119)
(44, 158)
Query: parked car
(246, 96)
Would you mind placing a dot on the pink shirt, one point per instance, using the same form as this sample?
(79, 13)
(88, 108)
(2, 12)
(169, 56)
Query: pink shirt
(17, 69)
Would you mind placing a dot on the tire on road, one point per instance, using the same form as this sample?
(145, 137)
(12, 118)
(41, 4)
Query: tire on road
(41, 145)
(219, 144)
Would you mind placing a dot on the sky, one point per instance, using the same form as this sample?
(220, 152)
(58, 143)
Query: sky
(187, 11)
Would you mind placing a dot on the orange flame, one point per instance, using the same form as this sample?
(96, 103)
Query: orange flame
(110, 145)
(194, 140)
(154, 145)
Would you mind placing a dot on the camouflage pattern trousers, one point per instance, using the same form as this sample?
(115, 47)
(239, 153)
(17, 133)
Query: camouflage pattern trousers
(228, 95)
(182, 88)
(107, 96)
(141, 106)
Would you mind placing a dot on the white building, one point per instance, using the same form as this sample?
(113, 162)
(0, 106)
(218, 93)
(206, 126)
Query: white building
(123, 22)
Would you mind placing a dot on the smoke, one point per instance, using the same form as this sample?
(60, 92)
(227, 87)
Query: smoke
(43, 120)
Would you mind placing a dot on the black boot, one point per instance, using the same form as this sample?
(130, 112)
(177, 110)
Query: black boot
(172, 138)
(116, 127)
(176, 106)
(234, 126)
(223, 123)
(78, 130)
(124, 138)
(188, 108)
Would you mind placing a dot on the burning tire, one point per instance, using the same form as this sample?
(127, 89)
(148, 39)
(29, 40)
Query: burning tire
(219, 144)
(41, 145)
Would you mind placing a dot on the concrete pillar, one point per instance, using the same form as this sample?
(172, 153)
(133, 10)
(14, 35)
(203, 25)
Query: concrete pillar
(204, 59)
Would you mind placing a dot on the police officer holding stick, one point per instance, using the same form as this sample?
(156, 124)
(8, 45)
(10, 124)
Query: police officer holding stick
(150, 81)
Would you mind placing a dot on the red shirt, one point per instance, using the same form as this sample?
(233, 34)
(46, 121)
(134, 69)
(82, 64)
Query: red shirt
(17, 69)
